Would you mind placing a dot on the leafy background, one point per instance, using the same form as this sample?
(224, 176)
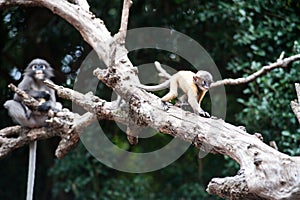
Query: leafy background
(241, 36)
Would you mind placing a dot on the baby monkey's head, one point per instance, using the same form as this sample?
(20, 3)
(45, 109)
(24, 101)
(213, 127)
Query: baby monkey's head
(203, 79)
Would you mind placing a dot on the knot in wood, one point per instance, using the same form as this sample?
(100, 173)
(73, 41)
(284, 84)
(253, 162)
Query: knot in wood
(259, 136)
(257, 161)
(168, 129)
(198, 140)
(134, 111)
(108, 76)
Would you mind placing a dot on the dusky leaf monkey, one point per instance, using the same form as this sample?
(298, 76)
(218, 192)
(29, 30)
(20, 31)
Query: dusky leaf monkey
(194, 86)
(37, 71)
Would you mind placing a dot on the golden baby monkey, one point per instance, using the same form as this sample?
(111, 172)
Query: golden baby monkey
(193, 85)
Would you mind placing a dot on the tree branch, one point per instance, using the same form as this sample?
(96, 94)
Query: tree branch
(296, 104)
(4, 3)
(31, 102)
(124, 20)
(280, 63)
(162, 73)
(82, 3)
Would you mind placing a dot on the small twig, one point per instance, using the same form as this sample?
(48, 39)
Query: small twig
(297, 86)
(162, 73)
(280, 63)
(124, 20)
(29, 101)
(273, 144)
(281, 56)
(84, 4)
(296, 104)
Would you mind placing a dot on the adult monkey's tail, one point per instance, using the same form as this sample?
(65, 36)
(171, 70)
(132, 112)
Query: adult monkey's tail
(31, 170)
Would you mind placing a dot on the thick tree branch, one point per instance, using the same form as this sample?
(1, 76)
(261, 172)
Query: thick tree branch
(235, 186)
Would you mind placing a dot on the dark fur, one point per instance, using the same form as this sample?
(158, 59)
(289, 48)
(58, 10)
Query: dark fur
(35, 87)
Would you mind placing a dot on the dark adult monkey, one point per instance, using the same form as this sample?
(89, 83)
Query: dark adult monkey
(36, 72)
(193, 85)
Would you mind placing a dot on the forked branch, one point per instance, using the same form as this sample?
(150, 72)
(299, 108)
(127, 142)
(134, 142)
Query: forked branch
(296, 103)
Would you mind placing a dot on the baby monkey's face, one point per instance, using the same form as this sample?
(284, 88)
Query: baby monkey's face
(203, 79)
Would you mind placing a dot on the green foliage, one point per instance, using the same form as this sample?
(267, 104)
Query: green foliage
(136, 187)
(190, 191)
(79, 176)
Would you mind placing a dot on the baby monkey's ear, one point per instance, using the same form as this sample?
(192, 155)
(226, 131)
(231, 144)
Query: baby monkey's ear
(195, 78)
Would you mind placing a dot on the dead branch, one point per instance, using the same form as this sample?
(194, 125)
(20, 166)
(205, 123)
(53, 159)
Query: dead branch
(31, 102)
(162, 73)
(124, 20)
(296, 103)
(81, 3)
(280, 63)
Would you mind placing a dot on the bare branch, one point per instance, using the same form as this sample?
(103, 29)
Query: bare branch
(82, 3)
(88, 101)
(9, 131)
(124, 20)
(9, 141)
(280, 63)
(18, 2)
(29, 101)
(162, 73)
(281, 56)
(234, 188)
(297, 86)
(296, 104)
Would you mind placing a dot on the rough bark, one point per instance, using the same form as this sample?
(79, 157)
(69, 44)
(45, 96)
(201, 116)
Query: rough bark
(296, 103)
(265, 173)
